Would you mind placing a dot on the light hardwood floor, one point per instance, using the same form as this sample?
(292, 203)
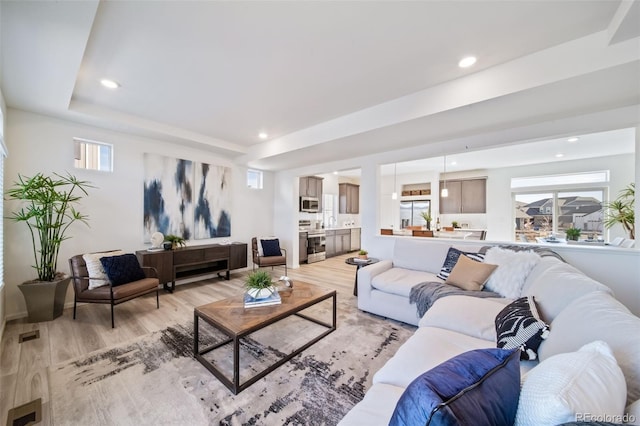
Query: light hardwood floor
(24, 367)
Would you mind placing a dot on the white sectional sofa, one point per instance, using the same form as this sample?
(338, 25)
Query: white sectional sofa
(578, 310)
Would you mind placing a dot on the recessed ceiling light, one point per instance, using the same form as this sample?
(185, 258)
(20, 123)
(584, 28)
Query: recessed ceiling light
(263, 135)
(453, 163)
(467, 62)
(559, 155)
(109, 84)
(573, 139)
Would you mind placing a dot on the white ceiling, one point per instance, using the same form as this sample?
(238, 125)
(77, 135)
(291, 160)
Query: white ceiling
(326, 80)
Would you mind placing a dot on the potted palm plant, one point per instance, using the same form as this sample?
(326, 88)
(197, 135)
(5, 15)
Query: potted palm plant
(47, 208)
(621, 210)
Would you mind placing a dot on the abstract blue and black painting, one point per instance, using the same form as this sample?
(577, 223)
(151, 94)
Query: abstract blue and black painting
(168, 196)
(212, 201)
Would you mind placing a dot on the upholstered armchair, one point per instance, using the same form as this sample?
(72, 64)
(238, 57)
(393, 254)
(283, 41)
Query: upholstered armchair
(131, 281)
(274, 255)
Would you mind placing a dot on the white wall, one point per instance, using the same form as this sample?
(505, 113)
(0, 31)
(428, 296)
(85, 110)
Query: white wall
(39, 143)
(3, 320)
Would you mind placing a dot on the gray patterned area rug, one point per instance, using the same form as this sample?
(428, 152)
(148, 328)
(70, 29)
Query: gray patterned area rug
(155, 379)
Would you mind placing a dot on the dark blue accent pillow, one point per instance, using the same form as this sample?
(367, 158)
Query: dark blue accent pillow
(479, 387)
(271, 247)
(122, 269)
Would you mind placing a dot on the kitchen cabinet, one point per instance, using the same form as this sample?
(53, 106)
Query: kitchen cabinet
(355, 239)
(311, 186)
(302, 247)
(349, 194)
(338, 242)
(330, 243)
(465, 196)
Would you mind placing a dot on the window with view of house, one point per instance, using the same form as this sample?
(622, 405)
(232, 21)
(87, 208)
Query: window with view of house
(550, 212)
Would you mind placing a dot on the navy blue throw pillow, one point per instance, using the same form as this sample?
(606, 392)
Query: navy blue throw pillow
(479, 387)
(122, 269)
(271, 247)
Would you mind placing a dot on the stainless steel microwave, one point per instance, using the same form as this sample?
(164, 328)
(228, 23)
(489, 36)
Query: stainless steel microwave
(309, 204)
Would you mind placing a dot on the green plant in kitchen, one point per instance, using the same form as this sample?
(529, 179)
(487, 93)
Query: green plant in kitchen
(573, 234)
(175, 241)
(621, 210)
(455, 224)
(427, 218)
(48, 210)
(362, 254)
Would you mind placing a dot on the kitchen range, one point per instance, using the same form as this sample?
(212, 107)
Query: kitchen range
(312, 241)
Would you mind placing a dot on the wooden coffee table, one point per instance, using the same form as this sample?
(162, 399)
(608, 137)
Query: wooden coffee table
(234, 320)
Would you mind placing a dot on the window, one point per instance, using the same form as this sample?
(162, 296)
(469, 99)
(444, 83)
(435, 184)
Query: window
(254, 179)
(568, 204)
(92, 155)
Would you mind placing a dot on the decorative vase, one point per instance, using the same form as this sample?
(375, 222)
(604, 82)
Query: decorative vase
(363, 256)
(44, 299)
(261, 293)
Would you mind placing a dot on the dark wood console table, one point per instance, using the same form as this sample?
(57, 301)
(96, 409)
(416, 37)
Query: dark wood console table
(192, 261)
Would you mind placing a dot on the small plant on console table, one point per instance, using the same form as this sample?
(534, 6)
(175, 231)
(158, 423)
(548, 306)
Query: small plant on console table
(259, 285)
(362, 254)
(455, 224)
(175, 241)
(572, 234)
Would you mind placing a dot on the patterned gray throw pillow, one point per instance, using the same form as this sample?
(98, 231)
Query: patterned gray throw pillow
(518, 325)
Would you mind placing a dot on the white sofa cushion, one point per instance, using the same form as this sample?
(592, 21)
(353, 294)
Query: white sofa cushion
(400, 280)
(559, 285)
(375, 408)
(598, 316)
(569, 385)
(419, 255)
(426, 348)
(541, 267)
(468, 315)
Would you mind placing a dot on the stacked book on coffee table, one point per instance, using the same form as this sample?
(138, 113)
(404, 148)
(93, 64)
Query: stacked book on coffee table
(251, 302)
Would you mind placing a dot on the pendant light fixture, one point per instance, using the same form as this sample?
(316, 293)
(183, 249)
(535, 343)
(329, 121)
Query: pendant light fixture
(394, 194)
(445, 192)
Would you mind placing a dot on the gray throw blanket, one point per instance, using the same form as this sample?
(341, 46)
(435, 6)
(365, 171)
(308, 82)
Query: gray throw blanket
(425, 294)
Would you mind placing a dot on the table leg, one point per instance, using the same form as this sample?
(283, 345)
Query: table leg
(195, 334)
(355, 285)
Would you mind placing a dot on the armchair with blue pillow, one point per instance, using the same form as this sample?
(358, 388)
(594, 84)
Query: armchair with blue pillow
(266, 251)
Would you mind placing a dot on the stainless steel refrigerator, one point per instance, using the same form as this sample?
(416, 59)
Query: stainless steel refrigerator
(410, 212)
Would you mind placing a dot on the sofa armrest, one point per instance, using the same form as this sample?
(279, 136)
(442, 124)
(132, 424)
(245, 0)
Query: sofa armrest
(367, 273)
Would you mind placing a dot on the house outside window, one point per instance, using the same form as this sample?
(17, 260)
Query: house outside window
(541, 214)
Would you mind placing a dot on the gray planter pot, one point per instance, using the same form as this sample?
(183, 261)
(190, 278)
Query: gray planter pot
(45, 299)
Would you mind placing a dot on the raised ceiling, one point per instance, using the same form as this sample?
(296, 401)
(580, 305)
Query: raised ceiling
(325, 79)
